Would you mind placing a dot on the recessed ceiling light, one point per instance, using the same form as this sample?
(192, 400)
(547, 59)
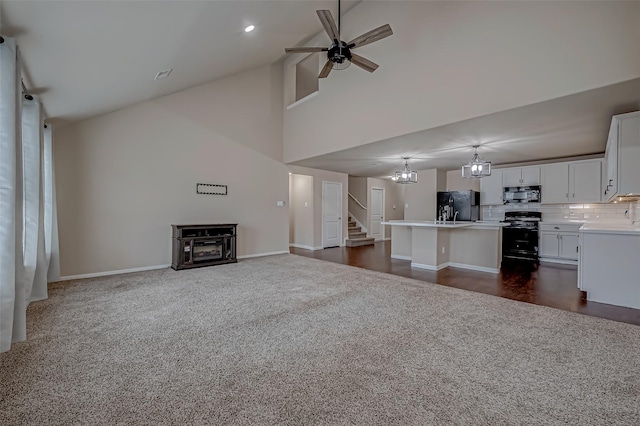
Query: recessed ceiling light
(163, 74)
(249, 28)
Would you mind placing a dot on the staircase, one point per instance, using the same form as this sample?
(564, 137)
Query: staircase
(357, 238)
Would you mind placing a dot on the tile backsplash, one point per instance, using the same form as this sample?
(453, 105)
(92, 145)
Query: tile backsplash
(594, 212)
(634, 211)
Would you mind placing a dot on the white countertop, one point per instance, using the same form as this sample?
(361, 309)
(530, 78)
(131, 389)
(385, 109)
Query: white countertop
(432, 224)
(564, 222)
(427, 224)
(611, 228)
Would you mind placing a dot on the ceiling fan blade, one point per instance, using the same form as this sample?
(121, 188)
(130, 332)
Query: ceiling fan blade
(326, 69)
(305, 49)
(373, 35)
(329, 24)
(363, 63)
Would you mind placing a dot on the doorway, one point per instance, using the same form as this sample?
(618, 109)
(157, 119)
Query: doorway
(331, 214)
(377, 214)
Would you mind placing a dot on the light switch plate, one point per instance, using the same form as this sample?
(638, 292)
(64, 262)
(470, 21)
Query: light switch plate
(280, 203)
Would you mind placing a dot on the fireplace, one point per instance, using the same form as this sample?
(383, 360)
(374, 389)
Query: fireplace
(203, 245)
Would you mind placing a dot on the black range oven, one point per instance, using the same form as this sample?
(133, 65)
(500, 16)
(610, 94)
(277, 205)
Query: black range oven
(520, 236)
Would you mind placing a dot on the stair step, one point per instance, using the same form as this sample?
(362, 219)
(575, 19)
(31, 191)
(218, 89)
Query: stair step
(360, 234)
(355, 228)
(357, 242)
(352, 223)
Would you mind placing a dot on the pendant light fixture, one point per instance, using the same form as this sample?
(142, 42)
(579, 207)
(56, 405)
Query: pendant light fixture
(405, 175)
(476, 168)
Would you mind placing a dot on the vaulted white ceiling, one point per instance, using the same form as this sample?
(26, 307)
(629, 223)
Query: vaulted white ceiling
(90, 57)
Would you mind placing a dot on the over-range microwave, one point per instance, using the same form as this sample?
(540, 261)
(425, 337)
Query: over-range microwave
(521, 194)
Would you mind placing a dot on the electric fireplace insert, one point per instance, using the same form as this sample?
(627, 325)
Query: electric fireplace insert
(203, 245)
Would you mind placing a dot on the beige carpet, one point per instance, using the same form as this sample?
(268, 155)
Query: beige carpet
(291, 340)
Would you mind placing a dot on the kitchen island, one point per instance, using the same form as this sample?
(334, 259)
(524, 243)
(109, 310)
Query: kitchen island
(608, 267)
(434, 246)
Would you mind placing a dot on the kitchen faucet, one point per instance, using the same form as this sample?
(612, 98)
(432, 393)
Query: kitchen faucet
(454, 216)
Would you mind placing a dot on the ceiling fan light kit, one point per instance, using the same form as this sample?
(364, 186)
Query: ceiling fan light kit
(339, 55)
(476, 168)
(406, 175)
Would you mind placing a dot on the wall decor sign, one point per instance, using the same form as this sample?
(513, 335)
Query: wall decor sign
(211, 189)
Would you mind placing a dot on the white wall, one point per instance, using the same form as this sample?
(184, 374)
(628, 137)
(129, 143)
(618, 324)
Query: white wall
(320, 176)
(358, 188)
(301, 220)
(451, 61)
(124, 177)
(421, 198)
(455, 181)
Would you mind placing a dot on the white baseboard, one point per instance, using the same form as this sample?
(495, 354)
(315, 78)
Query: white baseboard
(106, 273)
(429, 267)
(249, 256)
(474, 267)
(562, 261)
(386, 239)
(302, 246)
(398, 256)
(150, 268)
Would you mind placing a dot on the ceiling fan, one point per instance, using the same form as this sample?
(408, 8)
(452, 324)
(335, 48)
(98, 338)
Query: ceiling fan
(339, 54)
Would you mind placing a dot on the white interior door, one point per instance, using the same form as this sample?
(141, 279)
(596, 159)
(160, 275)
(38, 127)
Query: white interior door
(331, 214)
(377, 213)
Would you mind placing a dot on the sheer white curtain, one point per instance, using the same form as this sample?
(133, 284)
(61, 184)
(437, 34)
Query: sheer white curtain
(35, 261)
(28, 235)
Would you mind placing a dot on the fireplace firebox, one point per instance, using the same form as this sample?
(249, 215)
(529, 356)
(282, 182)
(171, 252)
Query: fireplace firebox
(203, 245)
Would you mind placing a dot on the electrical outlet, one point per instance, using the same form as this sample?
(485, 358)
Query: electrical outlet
(442, 249)
(406, 206)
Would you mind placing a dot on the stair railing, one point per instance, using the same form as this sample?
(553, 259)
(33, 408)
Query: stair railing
(356, 200)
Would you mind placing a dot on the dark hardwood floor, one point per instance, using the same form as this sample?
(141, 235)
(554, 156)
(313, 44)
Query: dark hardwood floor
(548, 284)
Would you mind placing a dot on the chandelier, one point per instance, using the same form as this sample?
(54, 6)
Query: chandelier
(476, 168)
(405, 175)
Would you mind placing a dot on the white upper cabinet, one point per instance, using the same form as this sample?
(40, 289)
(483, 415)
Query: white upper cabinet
(491, 189)
(584, 181)
(576, 182)
(555, 183)
(521, 176)
(622, 157)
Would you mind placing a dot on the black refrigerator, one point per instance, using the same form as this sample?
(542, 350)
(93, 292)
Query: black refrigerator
(466, 203)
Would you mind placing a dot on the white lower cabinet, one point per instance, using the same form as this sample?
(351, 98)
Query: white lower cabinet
(559, 243)
(569, 246)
